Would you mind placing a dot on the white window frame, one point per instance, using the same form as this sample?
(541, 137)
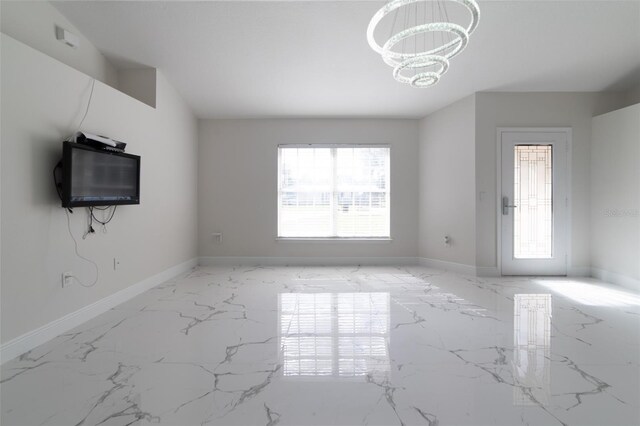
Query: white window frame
(332, 239)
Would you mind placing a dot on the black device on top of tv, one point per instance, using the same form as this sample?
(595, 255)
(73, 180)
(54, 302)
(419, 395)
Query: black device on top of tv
(93, 177)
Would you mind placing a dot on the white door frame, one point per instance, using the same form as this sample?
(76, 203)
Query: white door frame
(568, 131)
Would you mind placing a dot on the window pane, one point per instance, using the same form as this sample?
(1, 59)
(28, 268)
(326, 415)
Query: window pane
(333, 192)
(362, 182)
(533, 226)
(305, 192)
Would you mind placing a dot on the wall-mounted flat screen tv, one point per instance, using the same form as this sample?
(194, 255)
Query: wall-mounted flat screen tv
(92, 177)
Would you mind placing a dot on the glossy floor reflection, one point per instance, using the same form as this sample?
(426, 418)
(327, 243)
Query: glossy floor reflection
(532, 349)
(341, 346)
(334, 334)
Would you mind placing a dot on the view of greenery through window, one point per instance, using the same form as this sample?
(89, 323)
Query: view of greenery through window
(333, 191)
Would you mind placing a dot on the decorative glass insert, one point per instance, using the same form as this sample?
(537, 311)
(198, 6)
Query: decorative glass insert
(333, 191)
(533, 196)
(334, 334)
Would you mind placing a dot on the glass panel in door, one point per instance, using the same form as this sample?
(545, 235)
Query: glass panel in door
(533, 198)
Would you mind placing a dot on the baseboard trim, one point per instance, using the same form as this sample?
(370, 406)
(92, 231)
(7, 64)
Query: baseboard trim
(615, 278)
(34, 338)
(305, 261)
(459, 268)
(488, 271)
(579, 271)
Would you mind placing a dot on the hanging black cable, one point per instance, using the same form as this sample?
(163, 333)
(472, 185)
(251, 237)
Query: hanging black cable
(58, 183)
(98, 220)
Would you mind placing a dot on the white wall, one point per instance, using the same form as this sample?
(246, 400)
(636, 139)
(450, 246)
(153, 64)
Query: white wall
(615, 194)
(573, 110)
(34, 22)
(633, 95)
(238, 184)
(42, 103)
(447, 183)
(139, 84)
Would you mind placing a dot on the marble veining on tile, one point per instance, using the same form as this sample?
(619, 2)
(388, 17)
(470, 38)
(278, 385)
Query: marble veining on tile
(250, 345)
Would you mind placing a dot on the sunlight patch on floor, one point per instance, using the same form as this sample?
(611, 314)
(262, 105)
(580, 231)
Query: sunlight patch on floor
(591, 294)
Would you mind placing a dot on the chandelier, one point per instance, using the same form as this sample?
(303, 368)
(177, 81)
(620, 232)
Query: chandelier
(420, 51)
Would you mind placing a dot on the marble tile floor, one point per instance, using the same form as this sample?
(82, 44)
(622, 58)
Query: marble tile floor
(341, 346)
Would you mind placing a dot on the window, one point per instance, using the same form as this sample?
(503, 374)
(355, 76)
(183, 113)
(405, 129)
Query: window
(333, 191)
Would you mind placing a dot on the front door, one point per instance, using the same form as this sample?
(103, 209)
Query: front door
(533, 202)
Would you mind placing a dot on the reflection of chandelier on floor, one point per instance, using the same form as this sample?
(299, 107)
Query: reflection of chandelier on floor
(434, 42)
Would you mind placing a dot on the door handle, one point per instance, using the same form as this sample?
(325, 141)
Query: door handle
(506, 206)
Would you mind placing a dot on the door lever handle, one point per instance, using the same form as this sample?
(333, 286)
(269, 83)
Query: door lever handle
(506, 206)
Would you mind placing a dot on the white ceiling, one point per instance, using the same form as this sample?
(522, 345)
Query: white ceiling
(311, 58)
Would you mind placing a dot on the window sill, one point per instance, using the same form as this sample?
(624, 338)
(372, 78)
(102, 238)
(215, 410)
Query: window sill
(333, 240)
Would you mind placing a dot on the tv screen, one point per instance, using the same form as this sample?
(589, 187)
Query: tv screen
(92, 177)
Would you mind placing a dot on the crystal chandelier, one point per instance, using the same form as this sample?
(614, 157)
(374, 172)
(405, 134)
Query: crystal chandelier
(420, 51)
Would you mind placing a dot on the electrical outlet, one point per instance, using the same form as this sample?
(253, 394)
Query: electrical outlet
(66, 278)
(116, 264)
